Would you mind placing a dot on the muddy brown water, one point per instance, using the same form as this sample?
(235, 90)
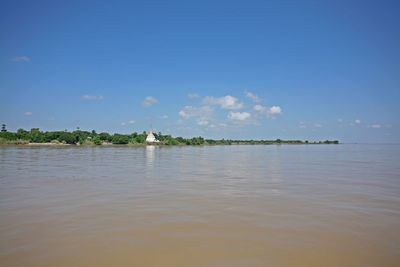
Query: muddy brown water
(288, 205)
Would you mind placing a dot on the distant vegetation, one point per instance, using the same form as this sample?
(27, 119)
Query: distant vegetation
(93, 138)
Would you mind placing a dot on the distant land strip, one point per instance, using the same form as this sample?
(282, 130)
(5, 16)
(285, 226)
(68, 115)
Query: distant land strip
(78, 137)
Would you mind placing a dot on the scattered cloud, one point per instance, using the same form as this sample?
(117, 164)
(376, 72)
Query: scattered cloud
(357, 121)
(339, 120)
(123, 123)
(375, 126)
(21, 59)
(388, 126)
(240, 116)
(131, 122)
(164, 117)
(188, 112)
(204, 114)
(253, 97)
(28, 113)
(351, 124)
(272, 112)
(225, 102)
(275, 110)
(92, 97)
(202, 122)
(302, 125)
(191, 96)
(149, 101)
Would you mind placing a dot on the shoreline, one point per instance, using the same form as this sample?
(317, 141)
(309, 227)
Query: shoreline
(153, 144)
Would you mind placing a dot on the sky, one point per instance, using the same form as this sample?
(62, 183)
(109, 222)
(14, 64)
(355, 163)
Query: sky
(308, 70)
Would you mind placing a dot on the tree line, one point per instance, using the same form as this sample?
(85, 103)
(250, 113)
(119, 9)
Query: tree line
(78, 136)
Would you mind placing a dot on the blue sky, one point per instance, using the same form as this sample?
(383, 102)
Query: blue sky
(310, 70)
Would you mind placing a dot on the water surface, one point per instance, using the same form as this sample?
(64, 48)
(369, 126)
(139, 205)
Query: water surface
(302, 205)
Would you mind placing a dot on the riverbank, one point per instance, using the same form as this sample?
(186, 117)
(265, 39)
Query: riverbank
(149, 144)
(78, 137)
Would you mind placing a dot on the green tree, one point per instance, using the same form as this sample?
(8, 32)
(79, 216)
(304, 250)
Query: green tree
(36, 136)
(180, 140)
(68, 138)
(3, 128)
(140, 139)
(93, 134)
(120, 139)
(22, 134)
(97, 140)
(105, 137)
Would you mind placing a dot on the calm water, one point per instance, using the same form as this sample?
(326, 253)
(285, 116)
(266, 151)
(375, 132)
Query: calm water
(315, 205)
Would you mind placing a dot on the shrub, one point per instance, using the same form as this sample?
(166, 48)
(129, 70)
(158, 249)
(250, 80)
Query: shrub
(120, 139)
(97, 140)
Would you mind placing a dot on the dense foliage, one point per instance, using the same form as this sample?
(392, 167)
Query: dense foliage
(84, 137)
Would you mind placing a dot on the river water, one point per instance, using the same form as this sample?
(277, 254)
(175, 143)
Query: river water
(271, 205)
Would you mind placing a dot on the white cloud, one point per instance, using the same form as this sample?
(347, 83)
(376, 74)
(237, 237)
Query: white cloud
(204, 114)
(28, 113)
(351, 124)
(149, 101)
(317, 125)
(240, 116)
(21, 59)
(375, 126)
(272, 112)
(339, 120)
(225, 102)
(275, 110)
(357, 121)
(123, 123)
(92, 97)
(131, 122)
(302, 125)
(164, 117)
(191, 96)
(202, 122)
(253, 97)
(260, 108)
(188, 112)
(388, 126)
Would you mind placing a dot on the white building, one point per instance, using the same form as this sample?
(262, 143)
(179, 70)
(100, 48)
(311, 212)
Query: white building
(151, 138)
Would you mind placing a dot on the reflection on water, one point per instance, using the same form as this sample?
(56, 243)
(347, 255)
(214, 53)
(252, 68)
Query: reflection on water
(150, 156)
(200, 206)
